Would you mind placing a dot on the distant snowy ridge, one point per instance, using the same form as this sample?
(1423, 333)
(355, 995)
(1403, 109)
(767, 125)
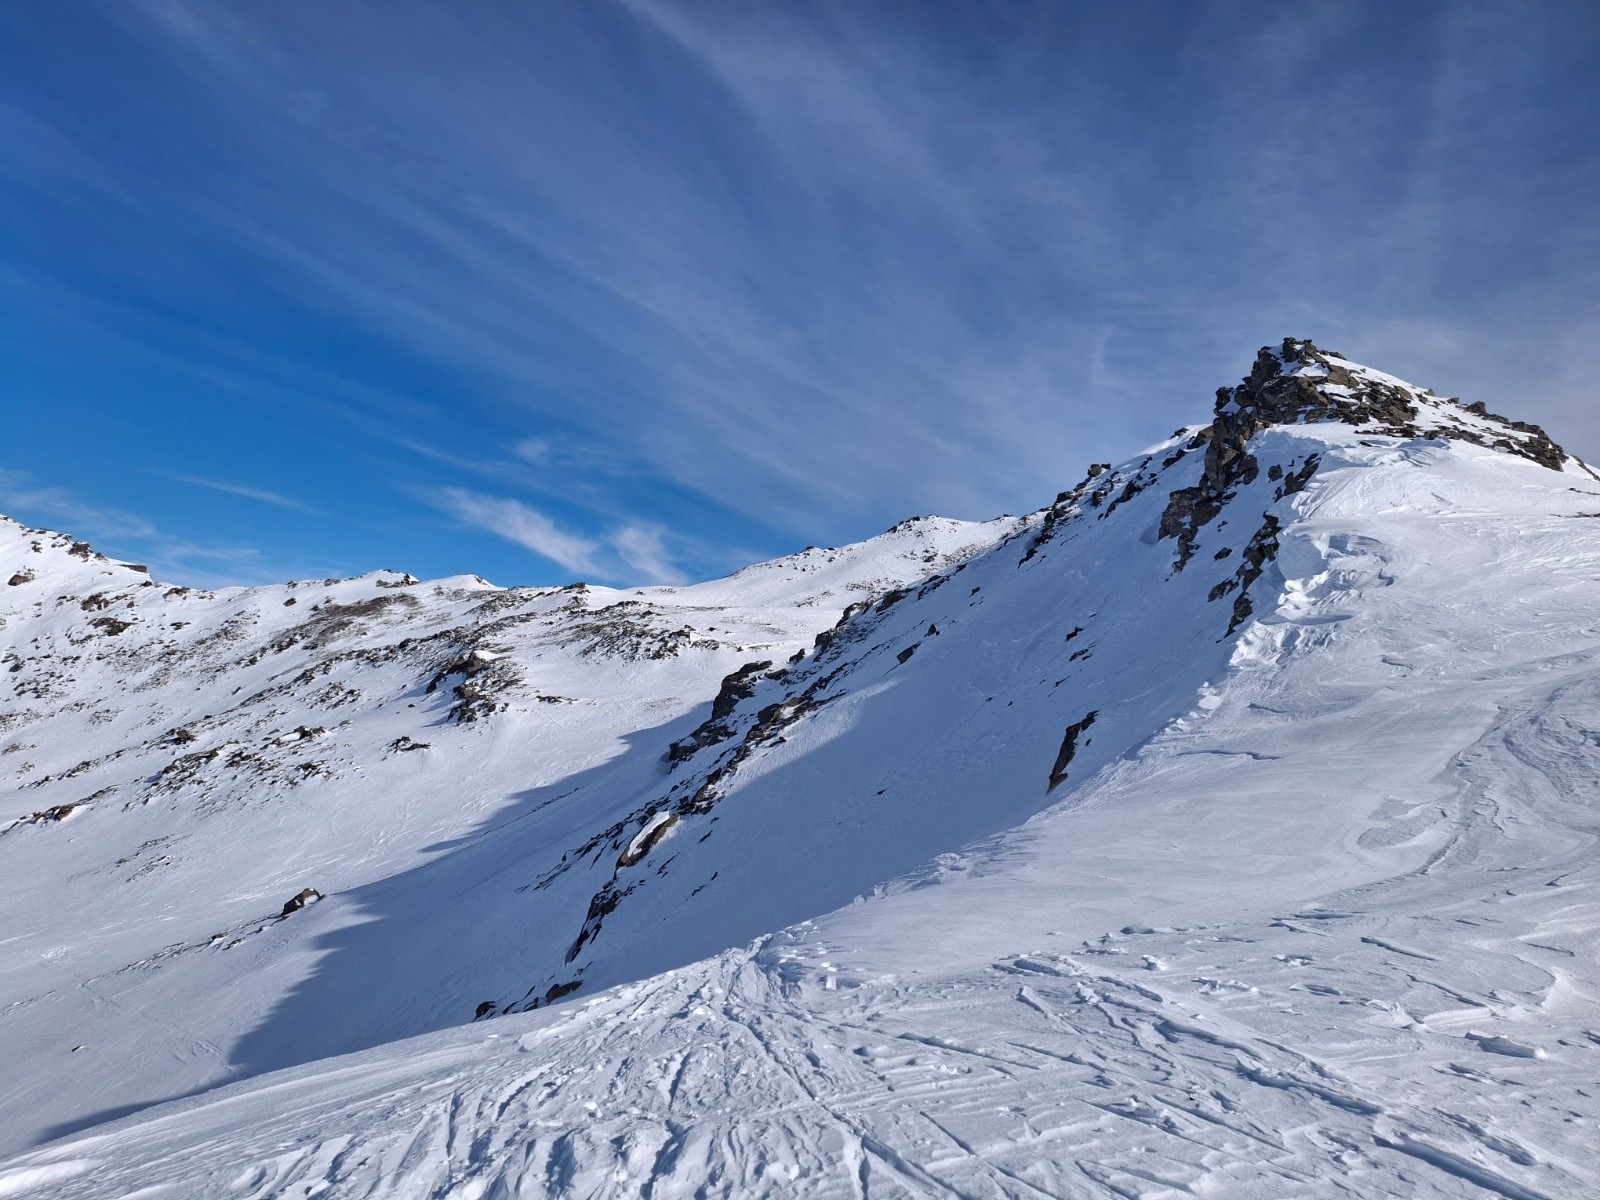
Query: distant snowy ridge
(1224, 827)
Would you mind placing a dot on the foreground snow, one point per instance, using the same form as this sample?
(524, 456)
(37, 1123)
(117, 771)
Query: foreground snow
(1310, 912)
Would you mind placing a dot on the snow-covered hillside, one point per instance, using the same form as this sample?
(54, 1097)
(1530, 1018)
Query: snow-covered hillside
(1227, 827)
(182, 764)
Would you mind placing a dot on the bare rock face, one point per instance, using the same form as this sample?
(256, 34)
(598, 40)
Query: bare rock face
(737, 687)
(1069, 748)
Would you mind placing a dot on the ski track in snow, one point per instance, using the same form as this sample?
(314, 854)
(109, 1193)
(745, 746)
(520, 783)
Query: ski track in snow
(1275, 1058)
(1333, 930)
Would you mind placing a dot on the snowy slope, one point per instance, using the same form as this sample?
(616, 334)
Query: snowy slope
(1225, 828)
(177, 765)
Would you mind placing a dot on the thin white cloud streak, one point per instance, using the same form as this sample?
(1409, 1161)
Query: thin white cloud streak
(630, 553)
(524, 525)
(261, 495)
(644, 549)
(20, 494)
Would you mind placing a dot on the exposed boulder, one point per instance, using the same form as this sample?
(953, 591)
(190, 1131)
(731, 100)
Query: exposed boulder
(48, 816)
(300, 900)
(656, 827)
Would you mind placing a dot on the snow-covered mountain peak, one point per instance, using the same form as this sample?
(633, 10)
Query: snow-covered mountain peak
(803, 855)
(1297, 383)
(1325, 397)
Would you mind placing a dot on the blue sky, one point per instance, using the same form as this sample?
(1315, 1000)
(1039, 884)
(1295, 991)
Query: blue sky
(637, 291)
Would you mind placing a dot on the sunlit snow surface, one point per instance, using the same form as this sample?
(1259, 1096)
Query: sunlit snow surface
(1313, 914)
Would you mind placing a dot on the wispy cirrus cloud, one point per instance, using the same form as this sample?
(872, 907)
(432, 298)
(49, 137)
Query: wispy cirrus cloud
(643, 548)
(526, 526)
(860, 220)
(262, 495)
(770, 274)
(628, 553)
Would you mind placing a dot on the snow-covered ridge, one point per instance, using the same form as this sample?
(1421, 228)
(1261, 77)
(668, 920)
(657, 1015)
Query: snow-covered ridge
(1203, 825)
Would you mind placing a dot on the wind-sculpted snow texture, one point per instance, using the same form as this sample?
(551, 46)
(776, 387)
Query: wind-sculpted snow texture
(1228, 827)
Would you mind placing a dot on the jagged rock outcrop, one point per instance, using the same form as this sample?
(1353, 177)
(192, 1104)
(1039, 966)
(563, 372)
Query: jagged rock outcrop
(1297, 384)
(1069, 748)
(736, 687)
